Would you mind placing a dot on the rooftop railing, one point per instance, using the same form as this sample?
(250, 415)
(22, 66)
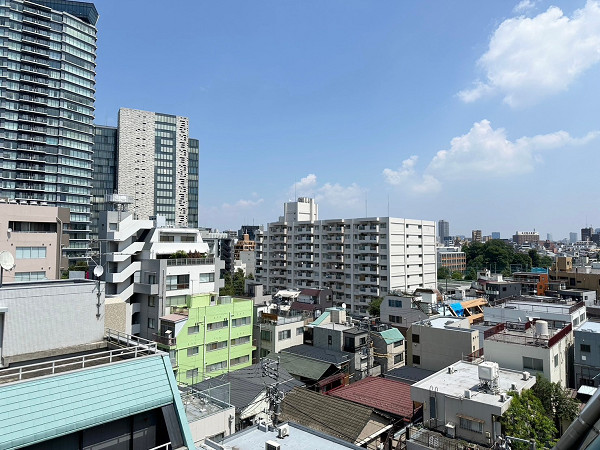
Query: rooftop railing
(128, 347)
(190, 261)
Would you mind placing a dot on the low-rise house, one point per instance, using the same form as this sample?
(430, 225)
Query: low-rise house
(438, 342)
(535, 347)
(386, 396)
(286, 436)
(246, 390)
(340, 418)
(586, 363)
(389, 348)
(467, 400)
(274, 333)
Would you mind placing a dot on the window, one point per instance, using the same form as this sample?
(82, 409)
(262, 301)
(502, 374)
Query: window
(217, 325)
(194, 330)
(239, 360)
(152, 300)
(193, 373)
(285, 334)
(216, 346)
(329, 340)
(175, 282)
(300, 331)
(416, 338)
(398, 358)
(416, 359)
(395, 303)
(263, 352)
(265, 335)
(151, 323)
(30, 276)
(398, 343)
(216, 366)
(31, 252)
(471, 425)
(555, 360)
(193, 351)
(207, 277)
(241, 321)
(240, 340)
(395, 319)
(585, 348)
(533, 364)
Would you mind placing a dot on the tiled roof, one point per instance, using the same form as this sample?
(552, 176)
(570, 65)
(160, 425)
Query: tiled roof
(303, 367)
(320, 354)
(334, 416)
(392, 335)
(379, 393)
(311, 292)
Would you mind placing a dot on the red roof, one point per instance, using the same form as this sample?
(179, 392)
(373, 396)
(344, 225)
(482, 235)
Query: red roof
(382, 394)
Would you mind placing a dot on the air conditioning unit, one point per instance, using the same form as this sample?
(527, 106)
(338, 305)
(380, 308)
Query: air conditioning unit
(283, 431)
(450, 430)
(272, 445)
(467, 393)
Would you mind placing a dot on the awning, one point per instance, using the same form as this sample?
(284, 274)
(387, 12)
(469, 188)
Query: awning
(472, 419)
(587, 390)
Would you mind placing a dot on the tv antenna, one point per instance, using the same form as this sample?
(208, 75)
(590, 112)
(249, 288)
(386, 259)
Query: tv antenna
(7, 262)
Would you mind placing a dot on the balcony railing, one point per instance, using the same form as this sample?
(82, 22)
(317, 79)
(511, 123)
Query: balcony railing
(190, 261)
(165, 339)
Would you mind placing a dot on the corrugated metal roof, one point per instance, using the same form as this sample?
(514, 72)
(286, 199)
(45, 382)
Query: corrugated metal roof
(45, 408)
(320, 319)
(382, 394)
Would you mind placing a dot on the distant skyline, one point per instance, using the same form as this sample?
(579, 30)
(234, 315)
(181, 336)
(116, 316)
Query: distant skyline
(483, 114)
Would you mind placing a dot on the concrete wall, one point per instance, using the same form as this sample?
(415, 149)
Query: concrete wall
(440, 347)
(586, 364)
(212, 425)
(44, 318)
(53, 242)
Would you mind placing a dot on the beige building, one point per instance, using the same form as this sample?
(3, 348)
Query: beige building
(579, 277)
(33, 235)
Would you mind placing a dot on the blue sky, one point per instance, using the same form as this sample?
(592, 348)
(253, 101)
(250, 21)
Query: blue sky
(481, 113)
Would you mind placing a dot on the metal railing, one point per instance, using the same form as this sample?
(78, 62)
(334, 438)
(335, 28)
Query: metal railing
(190, 261)
(133, 347)
(166, 446)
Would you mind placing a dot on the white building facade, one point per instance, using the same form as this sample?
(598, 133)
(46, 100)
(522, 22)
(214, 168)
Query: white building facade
(358, 259)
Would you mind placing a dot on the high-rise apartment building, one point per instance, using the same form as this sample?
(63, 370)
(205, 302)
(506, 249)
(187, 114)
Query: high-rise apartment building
(358, 259)
(495, 235)
(443, 231)
(150, 159)
(526, 237)
(586, 233)
(47, 77)
(572, 238)
(476, 236)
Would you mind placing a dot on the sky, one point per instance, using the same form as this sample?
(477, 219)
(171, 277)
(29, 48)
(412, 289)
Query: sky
(485, 114)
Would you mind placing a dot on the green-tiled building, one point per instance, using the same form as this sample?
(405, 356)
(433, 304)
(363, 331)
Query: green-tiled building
(208, 336)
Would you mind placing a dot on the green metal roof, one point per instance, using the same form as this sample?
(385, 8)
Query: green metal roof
(319, 320)
(303, 367)
(40, 409)
(392, 335)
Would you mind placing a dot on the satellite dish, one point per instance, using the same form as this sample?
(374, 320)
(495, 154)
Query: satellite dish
(98, 271)
(7, 261)
(343, 305)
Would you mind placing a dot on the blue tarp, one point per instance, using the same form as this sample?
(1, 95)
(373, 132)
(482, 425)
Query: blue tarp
(458, 309)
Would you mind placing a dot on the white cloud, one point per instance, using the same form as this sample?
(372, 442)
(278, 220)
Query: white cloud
(487, 151)
(406, 177)
(531, 58)
(333, 194)
(483, 152)
(524, 5)
(243, 203)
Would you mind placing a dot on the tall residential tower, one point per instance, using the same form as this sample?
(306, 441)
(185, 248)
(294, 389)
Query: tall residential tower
(47, 78)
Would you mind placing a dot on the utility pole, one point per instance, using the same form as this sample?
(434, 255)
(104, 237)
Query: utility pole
(270, 368)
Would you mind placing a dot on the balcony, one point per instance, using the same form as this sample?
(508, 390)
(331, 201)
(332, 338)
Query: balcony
(164, 339)
(190, 261)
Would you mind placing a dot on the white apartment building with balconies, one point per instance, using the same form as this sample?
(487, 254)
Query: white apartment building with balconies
(358, 259)
(149, 268)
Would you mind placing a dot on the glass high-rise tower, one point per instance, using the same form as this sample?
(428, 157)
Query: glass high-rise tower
(47, 89)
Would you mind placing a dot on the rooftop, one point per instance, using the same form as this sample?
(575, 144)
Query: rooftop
(382, 394)
(320, 354)
(444, 322)
(391, 335)
(118, 347)
(300, 438)
(465, 376)
(526, 334)
(198, 404)
(589, 326)
(408, 374)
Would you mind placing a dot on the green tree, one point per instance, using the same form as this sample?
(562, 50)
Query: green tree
(374, 308)
(526, 419)
(471, 274)
(535, 257)
(178, 255)
(457, 275)
(545, 262)
(443, 272)
(558, 404)
(234, 284)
